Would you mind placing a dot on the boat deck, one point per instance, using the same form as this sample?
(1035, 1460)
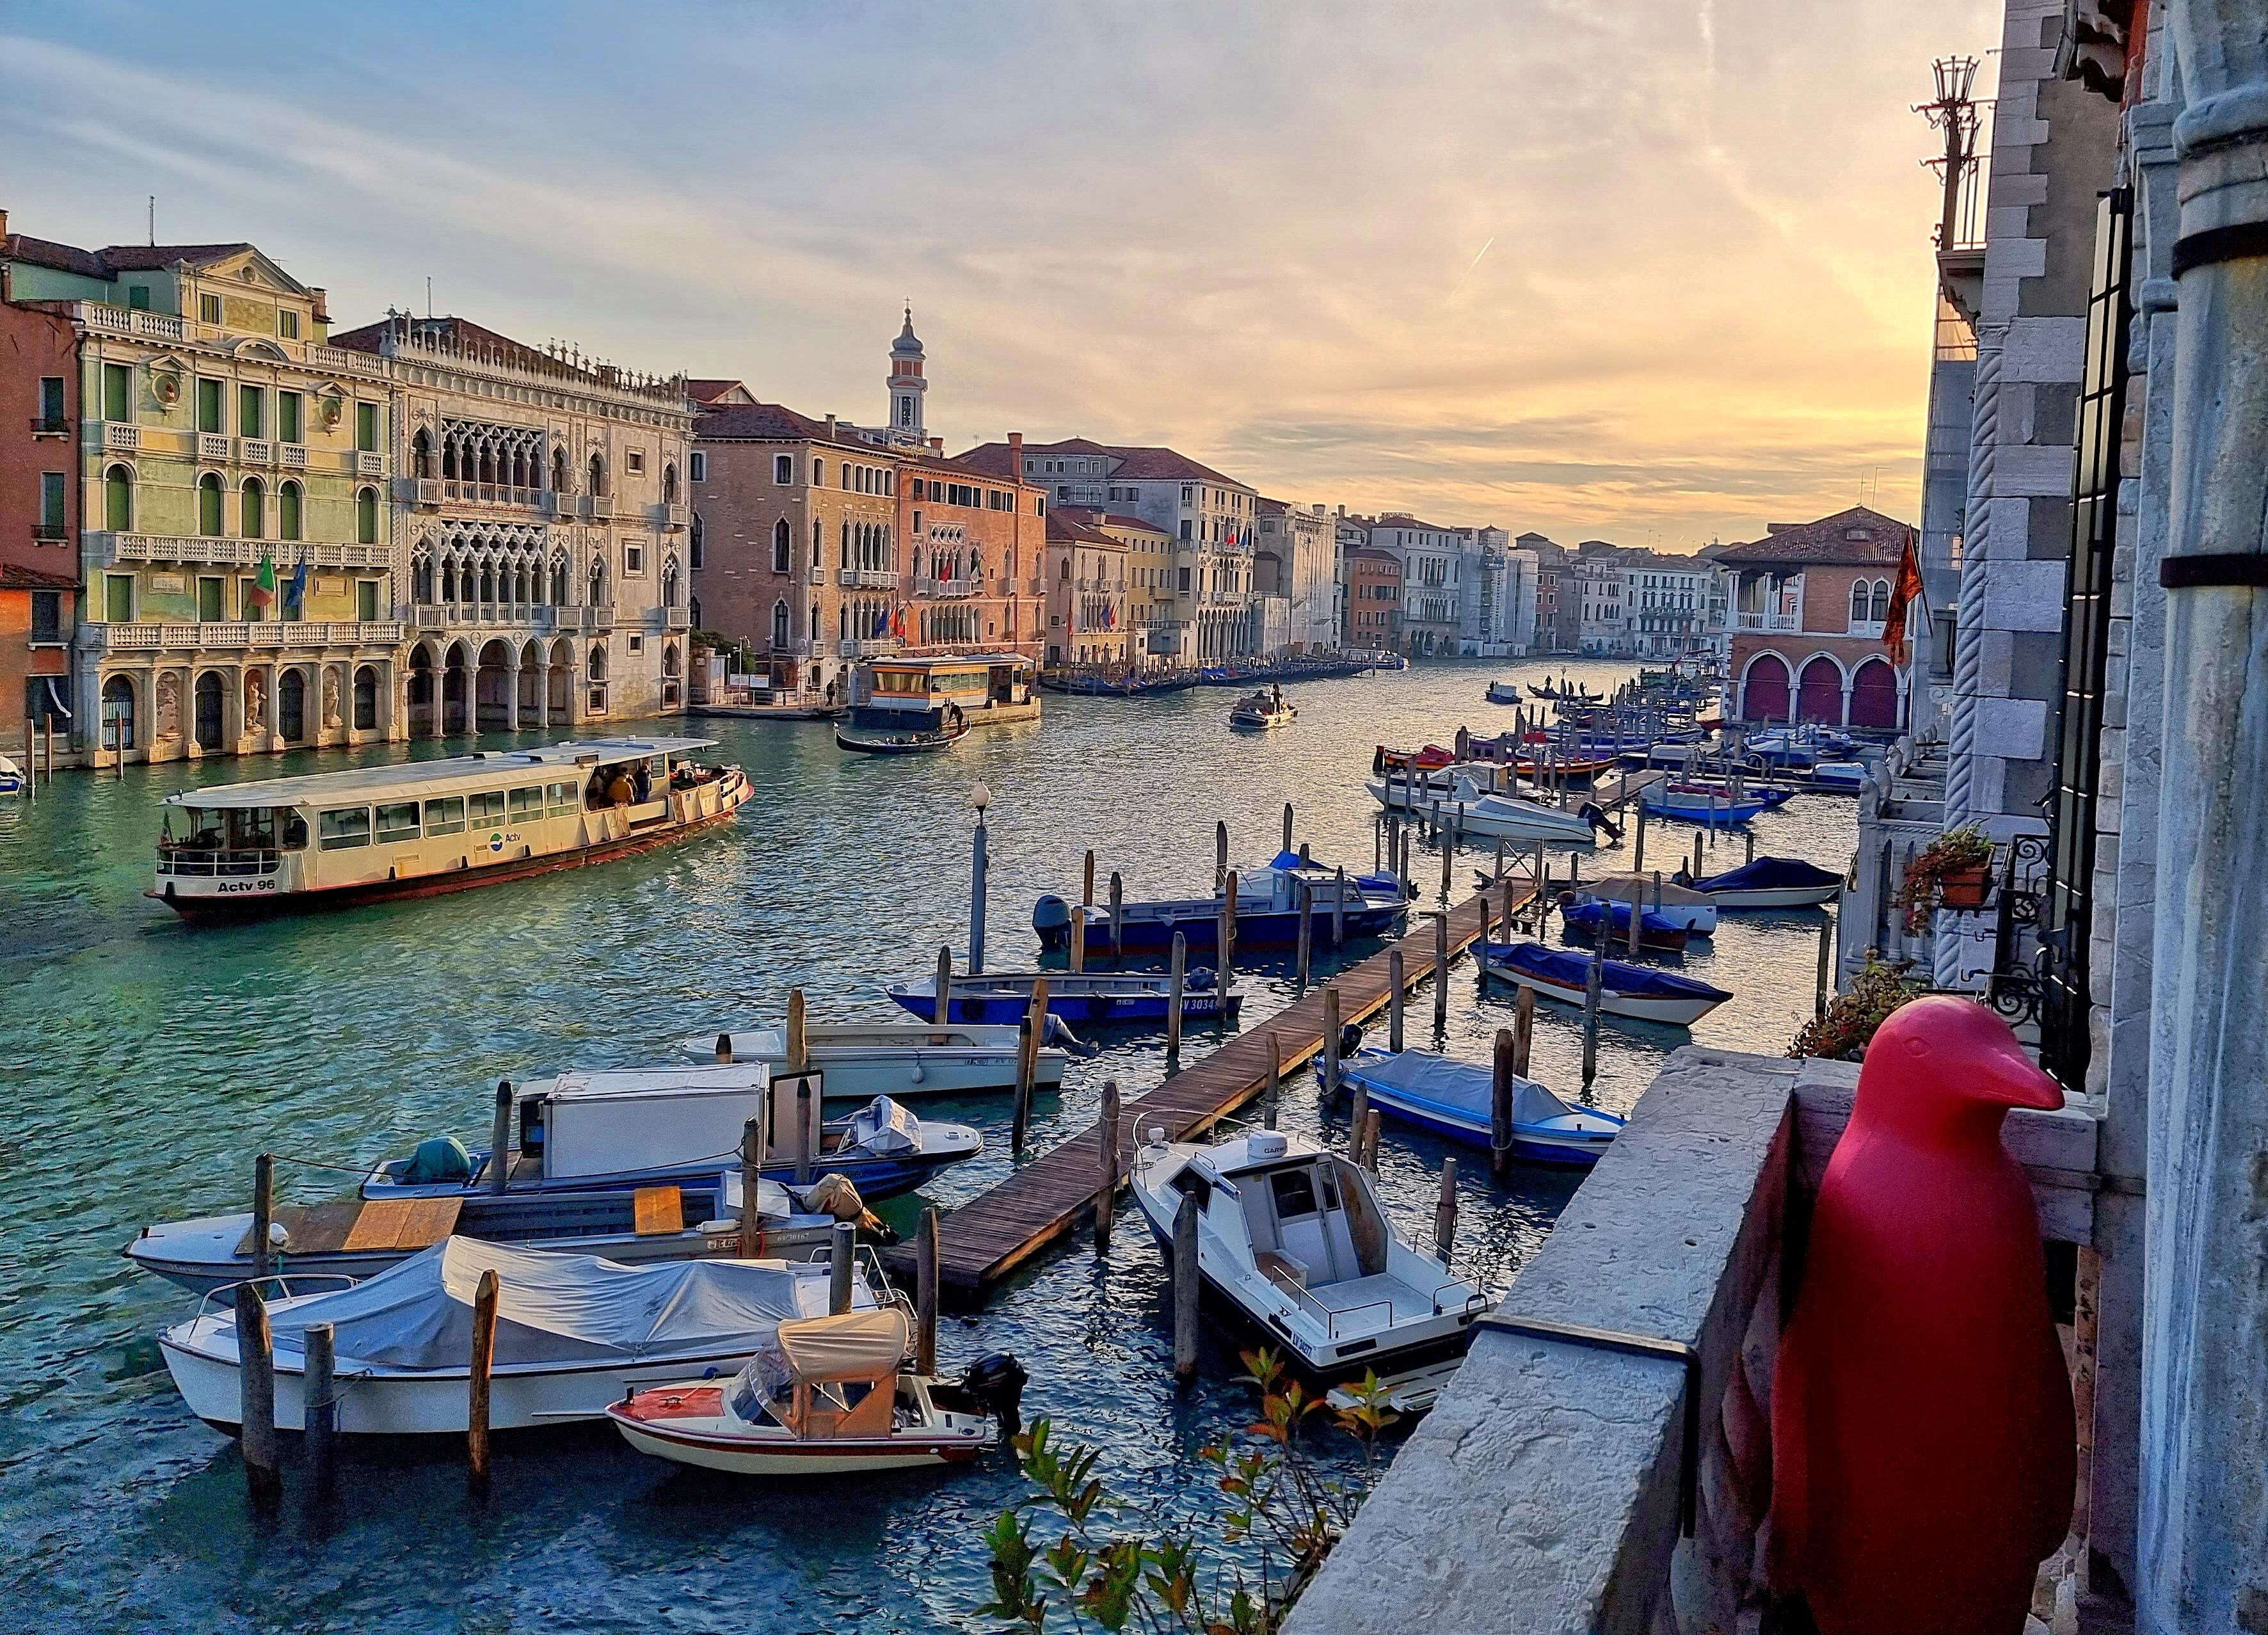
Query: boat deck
(990, 1236)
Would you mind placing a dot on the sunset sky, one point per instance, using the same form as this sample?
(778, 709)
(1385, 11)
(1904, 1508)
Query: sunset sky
(1650, 270)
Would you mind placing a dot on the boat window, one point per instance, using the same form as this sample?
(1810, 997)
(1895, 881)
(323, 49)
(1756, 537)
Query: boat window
(251, 828)
(1328, 1188)
(445, 816)
(1295, 1193)
(487, 806)
(1189, 1184)
(397, 822)
(295, 830)
(528, 803)
(561, 796)
(343, 827)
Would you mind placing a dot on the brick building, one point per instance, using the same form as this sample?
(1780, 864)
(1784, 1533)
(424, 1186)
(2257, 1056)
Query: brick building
(1087, 578)
(1810, 602)
(978, 539)
(1373, 601)
(39, 515)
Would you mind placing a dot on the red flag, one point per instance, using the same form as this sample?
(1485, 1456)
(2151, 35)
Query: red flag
(1903, 595)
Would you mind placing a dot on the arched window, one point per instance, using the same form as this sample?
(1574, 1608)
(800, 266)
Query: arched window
(779, 626)
(693, 613)
(1882, 615)
(598, 665)
(816, 537)
(598, 474)
(421, 578)
(696, 539)
(118, 713)
(815, 622)
(421, 454)
(209, 505)
(597, 583)
(365, 700)
(846, 544)
(669, 660)
(366, 515)
(118, 498)
(449, 579)
(819, 474)
(669, 584)
(288, 526)
(559, 580)
(559, 471)
(669, 483)
(1859, 598)
(779, 546)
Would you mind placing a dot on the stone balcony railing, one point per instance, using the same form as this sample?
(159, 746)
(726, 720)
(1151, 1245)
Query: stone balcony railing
(866, 579)
(226, 635)
(457, 493)
(1561, 1485)
(866, 647)
(1780, 623)
(948, 590)
(110, 549)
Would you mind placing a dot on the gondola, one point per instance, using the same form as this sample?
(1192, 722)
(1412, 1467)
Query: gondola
(886, 743)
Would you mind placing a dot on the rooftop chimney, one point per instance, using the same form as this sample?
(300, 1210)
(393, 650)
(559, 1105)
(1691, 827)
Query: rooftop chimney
(936, 446)
(830, 427)
(1015, 454)
(3, 224)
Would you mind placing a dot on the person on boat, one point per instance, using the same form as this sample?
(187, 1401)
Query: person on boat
(1276, 689)
(620, 791)
(642, 781)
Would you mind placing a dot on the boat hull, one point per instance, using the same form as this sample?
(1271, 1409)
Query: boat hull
(1009, 1006)
(1679, 1012)
(742, 1454)
(1150, 929)
(1536, 1146)
(1782, 897)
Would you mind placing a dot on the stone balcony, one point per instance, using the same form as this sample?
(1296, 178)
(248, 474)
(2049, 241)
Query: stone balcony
(948, 590)
(1775, 624)
(866, 579)
(1560, 1486)
(453, 491)
(867, 647)
(111, 549)
(239, 635)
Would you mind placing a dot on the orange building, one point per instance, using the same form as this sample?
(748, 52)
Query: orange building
(1810, 604)
(977, 540)
(39, 518)
(1373, 600)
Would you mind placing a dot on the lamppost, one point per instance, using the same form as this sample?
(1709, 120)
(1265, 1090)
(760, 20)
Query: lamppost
(980, 797)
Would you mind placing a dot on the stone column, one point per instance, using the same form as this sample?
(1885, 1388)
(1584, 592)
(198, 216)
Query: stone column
(2203, 1540)
(511, 695)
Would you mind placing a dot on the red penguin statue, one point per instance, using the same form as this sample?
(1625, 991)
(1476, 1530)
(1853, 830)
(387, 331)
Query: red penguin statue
(1924, 1448)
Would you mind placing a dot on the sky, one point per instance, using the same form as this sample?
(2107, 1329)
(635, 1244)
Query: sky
(1657, 271)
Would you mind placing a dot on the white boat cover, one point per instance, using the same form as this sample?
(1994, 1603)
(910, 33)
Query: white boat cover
(885, 1128)
(1467, 1087)
(551, 1307)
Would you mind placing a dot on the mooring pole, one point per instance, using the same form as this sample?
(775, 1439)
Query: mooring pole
(1274, 1088)
(1441, 972)
(925, 1294)
(841, 1247)
(263, 1215)
(1338, 912)
(1219, 853)
(1106, 1195)
(255, 1356)
(1331, 1068)
(485, 1296)
(1175, 975)
(979, 862)
(806, 1116)
(1826, 961)
(1307, 927)
(500, 1139)
(1523, 1029)
(1227, 932)
(1185, 1290)
(1504, 1072)
(942, 1010)
(318, 1404)
(1117, 919)
(1594, 987)
(1444, 1211)
(1286, 846)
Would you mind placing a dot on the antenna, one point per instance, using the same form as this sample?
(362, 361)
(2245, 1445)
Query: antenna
(429, 295)
(153, 219)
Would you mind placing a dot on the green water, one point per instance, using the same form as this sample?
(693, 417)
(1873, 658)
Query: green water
(150, 1062)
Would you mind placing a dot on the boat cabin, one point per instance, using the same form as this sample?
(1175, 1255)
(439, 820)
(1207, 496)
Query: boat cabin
(609, 1122)
(410, 824)
(825, 1379)
(1308, 1216)
(929, 695)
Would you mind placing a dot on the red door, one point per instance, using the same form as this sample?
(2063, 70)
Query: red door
(1764, 695)
(1820, 697)
(1874, 696)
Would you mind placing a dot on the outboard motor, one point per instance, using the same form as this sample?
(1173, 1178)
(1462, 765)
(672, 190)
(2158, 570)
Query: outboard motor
(1052, 918)
(998, 1382)
(1591, 814)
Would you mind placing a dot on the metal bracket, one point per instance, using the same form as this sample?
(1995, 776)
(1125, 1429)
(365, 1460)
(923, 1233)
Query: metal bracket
(1688, 1488)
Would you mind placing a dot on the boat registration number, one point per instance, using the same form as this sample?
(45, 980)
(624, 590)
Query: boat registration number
(229, 887)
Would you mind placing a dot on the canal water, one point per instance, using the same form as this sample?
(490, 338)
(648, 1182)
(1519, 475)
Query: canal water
(148, 1062)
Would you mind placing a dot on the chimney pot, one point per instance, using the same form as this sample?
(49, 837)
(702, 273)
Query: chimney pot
(830, 427)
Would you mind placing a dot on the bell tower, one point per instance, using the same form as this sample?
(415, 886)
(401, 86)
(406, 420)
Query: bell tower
(909, 422)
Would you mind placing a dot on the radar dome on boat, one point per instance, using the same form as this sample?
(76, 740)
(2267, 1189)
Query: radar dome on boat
(1267, 1144)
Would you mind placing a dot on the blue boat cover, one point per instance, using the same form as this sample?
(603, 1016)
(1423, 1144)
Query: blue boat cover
(1589, 911)
(1465, 1087)
(1770, 874)
(1573, 970)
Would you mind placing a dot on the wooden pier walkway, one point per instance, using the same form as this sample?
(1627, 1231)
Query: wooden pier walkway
(990, 1236)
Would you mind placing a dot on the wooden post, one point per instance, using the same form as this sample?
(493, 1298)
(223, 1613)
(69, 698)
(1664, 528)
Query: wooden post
(1500, 1093)
(1394, 999)
(1106, 1195)
(1697, 854)
(1370, 1140)
(925, 1294)
(1378, 845)
(1331, 1040)
(319, 1410)
(1593, 985)
(1286, 846)
(1173, 978)
(942, 1010)
(1086, 886)
(1481, 942)
(1274, 1089)
(1504, 920)
(256, 1377)
(752, 1168)
(485, 1295)
(1339, 913)
(1637, 914)
(1637, 849)
(1027, 1068)
(1219, 854)
(1079, 939)
(804, 1110)
(1751, 857)
(798, 1049)
(1500, 858)
(1402, 868)
(1444, 1211)
(1117, 918)
(1442, 971)
(500, 1139)
(1306, 925)
(1185, 1290)
(1823, 986)
(1523, 1029)
(723, 1047)
(1226, 932)
(842, 1251)
(1447, 842)
(263, 1214)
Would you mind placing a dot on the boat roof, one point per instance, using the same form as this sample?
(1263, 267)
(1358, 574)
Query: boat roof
(1237, 1157)
(579, 1085)
(406, 778)
(951, 661)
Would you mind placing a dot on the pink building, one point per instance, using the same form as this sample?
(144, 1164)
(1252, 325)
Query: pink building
(1811, 602)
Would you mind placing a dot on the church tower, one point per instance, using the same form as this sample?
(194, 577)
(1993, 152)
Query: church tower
(908, 422)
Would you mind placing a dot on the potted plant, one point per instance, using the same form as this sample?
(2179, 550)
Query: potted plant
(1954, 872)
(1852, 1015)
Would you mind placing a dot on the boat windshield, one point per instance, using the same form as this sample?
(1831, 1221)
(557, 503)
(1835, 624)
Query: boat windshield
(233, 829)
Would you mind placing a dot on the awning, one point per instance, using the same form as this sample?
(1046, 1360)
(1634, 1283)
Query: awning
(855, 1345)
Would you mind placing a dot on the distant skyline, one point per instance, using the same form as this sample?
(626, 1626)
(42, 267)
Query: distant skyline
(1652, 273)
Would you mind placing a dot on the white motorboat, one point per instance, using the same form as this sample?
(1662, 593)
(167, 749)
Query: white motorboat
(1293, 1236)
(1767, 883)
(11, 777)
(574, 1333)
(1262, 712)
(1464, 797)
(897, 1059)
(827, 1395)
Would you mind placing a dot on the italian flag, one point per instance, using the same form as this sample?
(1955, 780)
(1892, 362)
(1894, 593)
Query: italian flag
(263, 588)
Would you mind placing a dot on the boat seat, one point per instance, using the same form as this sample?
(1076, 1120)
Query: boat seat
(1281, 1269)
(1380, 1291)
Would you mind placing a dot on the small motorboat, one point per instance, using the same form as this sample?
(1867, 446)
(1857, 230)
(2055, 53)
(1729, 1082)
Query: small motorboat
(1505, 693)
(574, 1334)
(1461, 795)
(1657, 933)
(11, 777)
(896, 1060)
(1267, 911)
(1432, 758)
(1294, 1238)
(613, 1130)
(826, 1397)
(1261, 712)
(1456, 1099)
(1767, 883)
(1845, 776)
(1695, 911)
(1637, 992)
(1710, 806)
(357, 1238)
(1088, 999)
(902, 742)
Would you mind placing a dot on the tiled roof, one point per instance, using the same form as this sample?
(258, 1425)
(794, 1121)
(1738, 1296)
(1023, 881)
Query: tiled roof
(1398, 519)
(773, 423)
(16, 577)
(462, 333)
(707, 391)
(117, 258)
(1074, 527)
(1858, 536)
(1134, 463)
(1367, 553)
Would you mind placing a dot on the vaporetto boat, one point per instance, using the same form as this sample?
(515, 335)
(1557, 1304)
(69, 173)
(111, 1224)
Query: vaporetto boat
(419, 827)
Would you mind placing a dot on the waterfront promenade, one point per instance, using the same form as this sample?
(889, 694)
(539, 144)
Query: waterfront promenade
(158, 1059)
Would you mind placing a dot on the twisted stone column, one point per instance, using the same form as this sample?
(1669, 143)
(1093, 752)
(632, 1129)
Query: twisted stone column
(1969, 624)
(2203, 1546)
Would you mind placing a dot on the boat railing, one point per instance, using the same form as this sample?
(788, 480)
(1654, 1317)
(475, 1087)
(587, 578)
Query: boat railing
(283, 1282)
(1330, 1315)
(212, 861)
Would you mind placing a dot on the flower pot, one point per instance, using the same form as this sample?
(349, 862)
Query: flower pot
(1963, 888)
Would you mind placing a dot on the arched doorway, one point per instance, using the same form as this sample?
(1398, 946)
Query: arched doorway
(422, 697)
(291, 706)
(453, 690)
(1874, 696)
(210, 706)
(1763, 689)
(365, 696)
(1819, 696)
(118, 713)
(492, 688)
(559, 684)
(528, 681)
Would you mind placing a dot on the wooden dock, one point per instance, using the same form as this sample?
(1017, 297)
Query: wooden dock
(990, 1236)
